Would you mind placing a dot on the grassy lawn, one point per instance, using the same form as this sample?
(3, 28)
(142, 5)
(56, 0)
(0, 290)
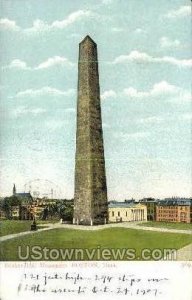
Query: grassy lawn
(47, 221)
(13, 226)
(81, 239)
(182, 226)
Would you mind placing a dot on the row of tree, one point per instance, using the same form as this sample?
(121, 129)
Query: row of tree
(60, 209)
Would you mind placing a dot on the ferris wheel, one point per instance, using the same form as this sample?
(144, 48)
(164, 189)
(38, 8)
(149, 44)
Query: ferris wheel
(43, 188)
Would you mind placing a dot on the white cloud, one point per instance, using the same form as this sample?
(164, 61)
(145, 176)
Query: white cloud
(108, 94)
(54, 61)
(133, 93)
(175, 61)
(17, 64)
(107, 1)
(141, 57)
(158, 89)
(182, 97)
(187, 117)
(117, 29)
(165, 42)
(164, 87)
(41, 26)
(50, 62)
(181, 12)
(151, 120)
(75, 35)
(135, 135)
(6, 24)
(22, 110)
(140, 30)
(165, 118)
(134, 56)
(54, 124)
(70, 110)
(38, 26)
(73, 17)
(49, 91)
(170, 92)
(105, 125)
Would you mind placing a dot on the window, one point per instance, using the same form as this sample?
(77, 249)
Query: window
(113, 214)
(126, 213)
(118, 213)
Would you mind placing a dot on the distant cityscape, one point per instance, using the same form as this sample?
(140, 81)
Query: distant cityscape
(25, 206)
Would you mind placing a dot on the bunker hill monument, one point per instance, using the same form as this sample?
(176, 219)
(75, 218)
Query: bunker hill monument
(90, 201)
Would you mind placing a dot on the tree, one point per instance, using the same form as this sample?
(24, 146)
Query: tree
(45, 214)
(8, 202)
(66, 211)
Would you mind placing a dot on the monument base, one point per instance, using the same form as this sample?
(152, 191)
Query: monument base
(90, 222)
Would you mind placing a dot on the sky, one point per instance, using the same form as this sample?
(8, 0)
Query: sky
(144, 49)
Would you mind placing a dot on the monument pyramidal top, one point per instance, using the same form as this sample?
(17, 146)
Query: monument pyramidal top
(88, 39)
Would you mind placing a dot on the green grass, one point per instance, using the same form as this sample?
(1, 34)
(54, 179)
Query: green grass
(106, 238)
(181, 226)
(14, 226)
(48, 221)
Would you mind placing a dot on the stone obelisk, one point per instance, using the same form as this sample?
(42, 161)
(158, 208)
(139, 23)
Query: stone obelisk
(90, 202)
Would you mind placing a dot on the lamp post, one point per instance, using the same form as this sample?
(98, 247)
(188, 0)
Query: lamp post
(34, 224)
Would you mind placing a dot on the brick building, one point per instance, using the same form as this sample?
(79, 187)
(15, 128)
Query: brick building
(174, 210)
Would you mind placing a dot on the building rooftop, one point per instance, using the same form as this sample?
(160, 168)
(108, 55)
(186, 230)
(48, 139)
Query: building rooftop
(175, 201)
(113, 204)
(23, 195)
(148, 200)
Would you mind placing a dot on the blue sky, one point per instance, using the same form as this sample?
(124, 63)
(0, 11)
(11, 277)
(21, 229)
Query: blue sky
(145, 80)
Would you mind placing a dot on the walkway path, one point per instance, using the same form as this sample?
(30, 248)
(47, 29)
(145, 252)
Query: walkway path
(131, 225)
(185, 253)
(99, 227)
(15, 235)
(182, 254)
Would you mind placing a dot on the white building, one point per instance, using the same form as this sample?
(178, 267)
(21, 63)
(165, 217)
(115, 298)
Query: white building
(126, 212)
